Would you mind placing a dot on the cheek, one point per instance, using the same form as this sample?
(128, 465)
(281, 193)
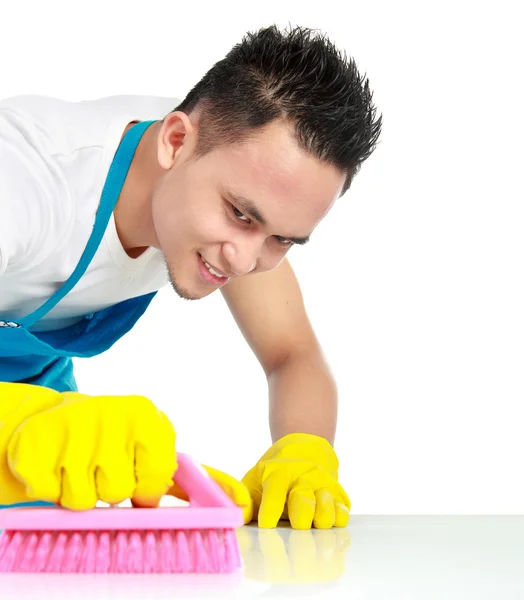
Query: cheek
(160, 201)
(270, 258)
(165, 221)
(183, 223)
(160, 222)
(186, 208)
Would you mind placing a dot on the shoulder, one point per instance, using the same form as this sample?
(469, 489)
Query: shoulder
(29, 191)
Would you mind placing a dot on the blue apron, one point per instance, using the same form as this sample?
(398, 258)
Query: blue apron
(45, 358)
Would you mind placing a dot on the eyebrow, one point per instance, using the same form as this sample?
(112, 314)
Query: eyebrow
(249, 207)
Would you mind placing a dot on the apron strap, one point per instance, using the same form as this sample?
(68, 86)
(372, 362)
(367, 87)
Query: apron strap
(113, 185)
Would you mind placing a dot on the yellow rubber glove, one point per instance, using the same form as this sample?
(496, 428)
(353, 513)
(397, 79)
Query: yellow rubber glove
(235, 489)
(73, 449)
(297, 479)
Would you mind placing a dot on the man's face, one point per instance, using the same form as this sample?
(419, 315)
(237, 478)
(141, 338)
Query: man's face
(199, 209)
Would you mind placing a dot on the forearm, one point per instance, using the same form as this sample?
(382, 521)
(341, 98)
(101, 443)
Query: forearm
(303, 397)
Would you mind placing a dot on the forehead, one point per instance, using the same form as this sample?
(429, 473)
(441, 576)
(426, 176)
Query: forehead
(290, 187)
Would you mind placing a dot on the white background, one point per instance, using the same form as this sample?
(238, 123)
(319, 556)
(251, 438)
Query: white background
(414, 282)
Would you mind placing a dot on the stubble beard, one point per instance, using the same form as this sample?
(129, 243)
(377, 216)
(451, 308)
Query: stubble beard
(181, 291)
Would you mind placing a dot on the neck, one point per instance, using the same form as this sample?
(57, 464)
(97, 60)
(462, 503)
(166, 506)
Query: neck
(133, 214)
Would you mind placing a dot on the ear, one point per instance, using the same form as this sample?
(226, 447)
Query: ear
(177, 133)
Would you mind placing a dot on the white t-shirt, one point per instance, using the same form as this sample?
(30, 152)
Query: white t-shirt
(54, 159)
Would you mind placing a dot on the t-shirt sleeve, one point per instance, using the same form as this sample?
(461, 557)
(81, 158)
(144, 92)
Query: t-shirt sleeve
(17, 188)
(27, 199)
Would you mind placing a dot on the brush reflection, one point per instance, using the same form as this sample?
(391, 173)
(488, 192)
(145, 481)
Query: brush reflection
(272, 558)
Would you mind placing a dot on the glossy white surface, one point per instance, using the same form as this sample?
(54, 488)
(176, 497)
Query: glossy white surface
(375, 557)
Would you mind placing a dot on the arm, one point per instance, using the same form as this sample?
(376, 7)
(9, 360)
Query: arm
(270, 312)
(303, 397)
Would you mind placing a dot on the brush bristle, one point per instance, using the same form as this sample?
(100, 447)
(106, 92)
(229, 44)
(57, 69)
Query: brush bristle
(181, 551)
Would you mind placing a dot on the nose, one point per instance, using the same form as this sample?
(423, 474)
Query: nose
(241, 260)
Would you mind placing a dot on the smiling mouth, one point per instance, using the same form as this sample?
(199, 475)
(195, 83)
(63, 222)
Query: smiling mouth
(212, 269)
(210, 274)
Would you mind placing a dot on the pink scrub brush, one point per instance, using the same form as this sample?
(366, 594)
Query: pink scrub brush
(196, 538)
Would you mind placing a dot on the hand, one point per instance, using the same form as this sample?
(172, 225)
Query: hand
(236, 490)
(297, 479)
(73, 450)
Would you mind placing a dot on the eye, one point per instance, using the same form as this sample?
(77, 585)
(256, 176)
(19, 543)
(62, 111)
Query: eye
(284, 242)
(240, 215)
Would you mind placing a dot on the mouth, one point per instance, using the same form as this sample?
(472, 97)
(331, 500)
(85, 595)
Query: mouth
(210, 274)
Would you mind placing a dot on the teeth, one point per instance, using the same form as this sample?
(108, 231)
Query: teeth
(211, 270)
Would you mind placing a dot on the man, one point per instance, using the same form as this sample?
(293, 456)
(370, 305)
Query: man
(104, 202)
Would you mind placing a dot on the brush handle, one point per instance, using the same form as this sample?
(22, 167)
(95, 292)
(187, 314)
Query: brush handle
(198, 485)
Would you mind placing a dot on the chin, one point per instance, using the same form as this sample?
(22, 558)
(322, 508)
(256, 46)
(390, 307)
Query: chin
(184, 292)
(188, 292)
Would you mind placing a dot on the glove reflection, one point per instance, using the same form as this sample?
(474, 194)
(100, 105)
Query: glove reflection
(287, 555)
